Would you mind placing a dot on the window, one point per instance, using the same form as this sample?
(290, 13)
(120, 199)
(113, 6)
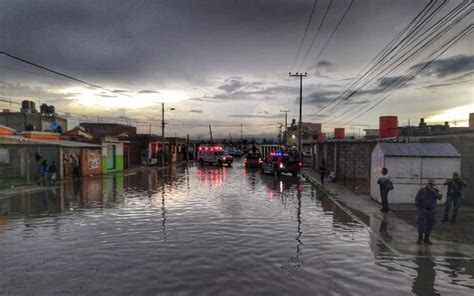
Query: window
(4, 155)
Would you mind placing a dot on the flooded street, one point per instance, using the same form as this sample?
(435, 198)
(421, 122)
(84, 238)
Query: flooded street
(204, 231)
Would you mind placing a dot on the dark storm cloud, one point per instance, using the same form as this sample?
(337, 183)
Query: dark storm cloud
(321, 96)
(449, 66)
(148, 91)
(389, 82)
(464, 78)
(119, 41)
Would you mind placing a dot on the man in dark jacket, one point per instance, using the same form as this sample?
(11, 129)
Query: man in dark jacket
(454, 196)
(426, 206)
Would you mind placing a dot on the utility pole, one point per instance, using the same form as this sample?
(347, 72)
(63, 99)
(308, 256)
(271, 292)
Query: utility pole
(230, 138)
(241, 136)
(300, 140)
(280, 134)
(210, 131)
(286, 122)
(187, 147)
(163, 134)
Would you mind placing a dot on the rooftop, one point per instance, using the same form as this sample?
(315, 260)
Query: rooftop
(419, 149)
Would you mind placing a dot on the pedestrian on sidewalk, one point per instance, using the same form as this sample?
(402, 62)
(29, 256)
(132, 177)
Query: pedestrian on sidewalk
(385, 185)
(454, 196)
(43, 171)
(322, 169)
(52, 171)
(75, 167)
(425, 200)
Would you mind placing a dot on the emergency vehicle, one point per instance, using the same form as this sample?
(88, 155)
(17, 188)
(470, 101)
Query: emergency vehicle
(281, 162)
(214, 155)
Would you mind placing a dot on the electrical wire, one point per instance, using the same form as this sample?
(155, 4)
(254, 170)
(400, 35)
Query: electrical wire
(379, 56)
(333, 32)
(60, 74)
(441, 50)
(418, 48)
(316, 34)
(304, 35)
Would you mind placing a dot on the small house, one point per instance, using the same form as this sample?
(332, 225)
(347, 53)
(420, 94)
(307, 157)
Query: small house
(410, 166)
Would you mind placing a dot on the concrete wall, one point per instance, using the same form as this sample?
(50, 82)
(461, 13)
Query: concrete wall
(464, 143)
(19, 167)
(19, 120)
(350, 161)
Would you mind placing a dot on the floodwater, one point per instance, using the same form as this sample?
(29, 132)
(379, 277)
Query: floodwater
(204, 231)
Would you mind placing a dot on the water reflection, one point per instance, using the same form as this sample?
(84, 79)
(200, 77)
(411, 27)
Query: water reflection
(204, 230)
(424, 281)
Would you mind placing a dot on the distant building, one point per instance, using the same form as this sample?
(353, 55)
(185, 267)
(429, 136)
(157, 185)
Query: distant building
(29, 119)
(371, 134)
(423, 129)
(309, 131)
(115, 150)
(21, 154)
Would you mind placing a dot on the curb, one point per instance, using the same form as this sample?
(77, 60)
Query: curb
(318, 185)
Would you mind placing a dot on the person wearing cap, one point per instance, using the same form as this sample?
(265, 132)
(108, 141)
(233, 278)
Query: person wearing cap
(426, 211)
(454, 196)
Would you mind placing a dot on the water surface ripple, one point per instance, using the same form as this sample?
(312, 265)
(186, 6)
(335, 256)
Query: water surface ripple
(203, 231)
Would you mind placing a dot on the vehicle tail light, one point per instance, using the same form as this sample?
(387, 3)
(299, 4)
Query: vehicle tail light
(281, 165)
(224, 158)
(301, 164)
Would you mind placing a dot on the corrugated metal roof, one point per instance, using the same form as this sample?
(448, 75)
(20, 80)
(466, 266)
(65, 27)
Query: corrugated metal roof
(62, 143)
(419, 149)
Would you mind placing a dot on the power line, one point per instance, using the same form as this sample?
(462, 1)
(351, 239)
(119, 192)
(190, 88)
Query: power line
(430, 35)
(380, 56)
(60, 74)
(305, 32)
(376, 70)
(29, 72)
(316, 34)
(416, 71)
(334, 31)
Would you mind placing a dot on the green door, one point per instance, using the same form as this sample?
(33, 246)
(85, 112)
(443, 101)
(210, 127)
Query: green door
(110, 157)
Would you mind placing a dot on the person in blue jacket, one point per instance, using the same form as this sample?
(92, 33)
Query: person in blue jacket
(43, 171)
(425, 200)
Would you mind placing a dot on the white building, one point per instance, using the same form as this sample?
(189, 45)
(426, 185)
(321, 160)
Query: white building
(410, 166)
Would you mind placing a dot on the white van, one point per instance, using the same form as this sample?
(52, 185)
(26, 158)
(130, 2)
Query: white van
(214, 155)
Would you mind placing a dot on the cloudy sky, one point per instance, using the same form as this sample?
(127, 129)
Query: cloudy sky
(226, 62)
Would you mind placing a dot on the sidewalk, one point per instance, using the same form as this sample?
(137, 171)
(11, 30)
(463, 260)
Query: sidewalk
(397, 229)
(5, 193)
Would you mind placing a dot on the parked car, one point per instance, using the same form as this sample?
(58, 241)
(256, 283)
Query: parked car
(280, 162)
